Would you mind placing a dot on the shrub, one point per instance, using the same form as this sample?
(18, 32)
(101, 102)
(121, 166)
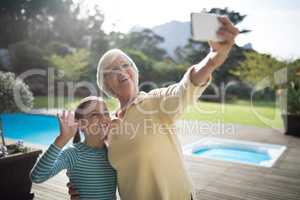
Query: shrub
(58, 48)
(7, 84)
(292, 87)
(168, 71)
(293, 99)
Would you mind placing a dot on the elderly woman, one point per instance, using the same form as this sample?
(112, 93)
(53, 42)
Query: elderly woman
(143, 147)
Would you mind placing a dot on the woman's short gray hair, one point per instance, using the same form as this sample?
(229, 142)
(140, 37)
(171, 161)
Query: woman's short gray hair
(104, 62)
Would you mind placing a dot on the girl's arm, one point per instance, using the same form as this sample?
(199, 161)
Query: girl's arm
(52, 162)
(55, 160)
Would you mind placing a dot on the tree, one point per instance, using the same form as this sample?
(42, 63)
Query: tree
(155, 72)
(146, 41)
(167, 72)
(143, 63)
(235, 17)
(256, 67)
(24, 56)
(77, 27)
(73, 65)
(41, 22)
(194, 51)
(293, 88)
(19, 17)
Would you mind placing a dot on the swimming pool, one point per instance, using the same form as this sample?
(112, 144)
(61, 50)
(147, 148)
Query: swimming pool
(245, 152)
(31, 128)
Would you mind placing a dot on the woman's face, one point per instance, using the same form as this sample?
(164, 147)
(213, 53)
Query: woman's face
(120, 77)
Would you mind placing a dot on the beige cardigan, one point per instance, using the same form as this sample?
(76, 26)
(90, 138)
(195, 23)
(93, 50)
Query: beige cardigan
(144, 148)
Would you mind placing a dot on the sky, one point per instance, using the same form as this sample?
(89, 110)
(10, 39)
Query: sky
(275, 24)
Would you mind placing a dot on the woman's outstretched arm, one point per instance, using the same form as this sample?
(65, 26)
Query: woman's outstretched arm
(175, 98)
(201, 72)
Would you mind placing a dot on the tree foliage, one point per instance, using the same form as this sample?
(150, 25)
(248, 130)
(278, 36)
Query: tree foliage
(194, 51)
(25, 56)
(145, 41)
(258, 66)
(235, 17)
(20, 18)
(74, 65)
(293, 88)
(60, 34)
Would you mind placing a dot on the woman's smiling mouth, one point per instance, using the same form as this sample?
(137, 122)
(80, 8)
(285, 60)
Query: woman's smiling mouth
(123, 79)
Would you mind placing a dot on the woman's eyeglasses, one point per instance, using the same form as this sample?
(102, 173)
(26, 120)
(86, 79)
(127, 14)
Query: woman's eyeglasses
(116, 69)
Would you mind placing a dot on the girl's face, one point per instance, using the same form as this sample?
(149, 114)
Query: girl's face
(96, 120)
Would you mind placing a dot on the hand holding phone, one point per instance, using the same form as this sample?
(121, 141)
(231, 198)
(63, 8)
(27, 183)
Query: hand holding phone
(205, 26)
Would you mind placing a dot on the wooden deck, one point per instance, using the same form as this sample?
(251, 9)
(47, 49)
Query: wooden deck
(216, 180)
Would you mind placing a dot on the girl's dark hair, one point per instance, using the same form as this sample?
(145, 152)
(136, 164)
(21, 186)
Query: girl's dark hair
(79, 113)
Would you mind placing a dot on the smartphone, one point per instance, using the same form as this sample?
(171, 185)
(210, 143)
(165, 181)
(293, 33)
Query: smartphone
(205, 26)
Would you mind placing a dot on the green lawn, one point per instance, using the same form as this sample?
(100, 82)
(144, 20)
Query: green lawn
(261, 114)
(59, 102)
(64, 102)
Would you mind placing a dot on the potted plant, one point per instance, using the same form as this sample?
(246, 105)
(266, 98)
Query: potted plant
(16, 160)
(291, 101)
(291, 118)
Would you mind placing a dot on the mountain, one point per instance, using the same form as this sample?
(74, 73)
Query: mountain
(175, 34)
(248, 46)
(137, 28)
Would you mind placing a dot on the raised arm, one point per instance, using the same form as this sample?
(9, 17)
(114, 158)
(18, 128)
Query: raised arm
(219, 52)
(52, 162)
(175, 98)
(55, 160)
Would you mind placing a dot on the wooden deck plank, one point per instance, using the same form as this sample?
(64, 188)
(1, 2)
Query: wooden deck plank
(220, 180)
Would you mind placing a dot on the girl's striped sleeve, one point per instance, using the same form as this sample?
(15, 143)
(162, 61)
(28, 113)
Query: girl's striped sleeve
(52, 162)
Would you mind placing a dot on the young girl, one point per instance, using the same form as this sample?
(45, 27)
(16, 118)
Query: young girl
(86, 162)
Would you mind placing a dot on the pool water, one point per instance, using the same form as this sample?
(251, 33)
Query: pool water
(245, 152)
(31, 128)
(234, 154)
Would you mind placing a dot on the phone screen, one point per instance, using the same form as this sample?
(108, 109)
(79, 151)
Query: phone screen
(205, 26)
